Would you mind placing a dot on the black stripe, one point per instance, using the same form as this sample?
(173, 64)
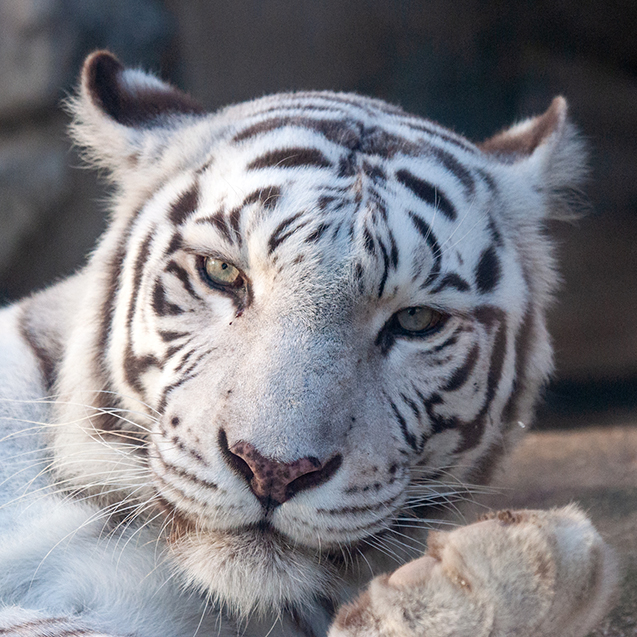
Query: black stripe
(184, 360)
(368, 241)
(452, 280)
(428, 193)
(375, 173)
(474, 431)
(438, 423)
(291, 158)
(342, 132)
(495, 232)
(235, 222)
(317, 233)
(412, 405)
(218, 220)
(268, 197)
(161, 305)
(456, 168)
(186, 376)
(383, 280)
(523, 343)
(488, 271)
(185, 205)
(347, 165)
(425, 230)
(276, 239)
(461, 375)
(168, 335)
(104, 421)
(452, 340)
(409, 437)
(394, 250)
(175, 244)
(377, 141)
(174, 268)
(426, 127)
(114, 270)
(46, 362)
(134, 366)
(324, 201)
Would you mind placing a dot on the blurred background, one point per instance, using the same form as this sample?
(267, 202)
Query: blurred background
(472, 65)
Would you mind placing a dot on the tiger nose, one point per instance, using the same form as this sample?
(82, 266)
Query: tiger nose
(275, 482)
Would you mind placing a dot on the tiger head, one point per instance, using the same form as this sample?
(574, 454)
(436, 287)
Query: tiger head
(312, 319)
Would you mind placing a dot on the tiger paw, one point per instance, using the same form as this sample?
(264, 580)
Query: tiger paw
(522, 573)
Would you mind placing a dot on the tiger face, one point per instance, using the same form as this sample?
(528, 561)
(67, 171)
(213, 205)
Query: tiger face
(321, 316)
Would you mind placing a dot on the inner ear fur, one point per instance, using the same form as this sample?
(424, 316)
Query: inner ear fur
(524, 138)
(130, 97)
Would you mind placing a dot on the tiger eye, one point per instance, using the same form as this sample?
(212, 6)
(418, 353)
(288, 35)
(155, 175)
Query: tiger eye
(418, 319)
(222, 273)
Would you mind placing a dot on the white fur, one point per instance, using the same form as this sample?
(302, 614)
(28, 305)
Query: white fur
(162, 536)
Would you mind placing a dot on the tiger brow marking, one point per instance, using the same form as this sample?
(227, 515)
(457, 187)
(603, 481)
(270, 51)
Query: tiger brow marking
(267, 196)
(452, 280)
(185, 205)
(235, 223)
(291, 158)
(218, 220)
(277, 236)
(425, 230)
(427, 193)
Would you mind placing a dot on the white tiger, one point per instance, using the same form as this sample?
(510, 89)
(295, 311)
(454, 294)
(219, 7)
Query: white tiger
(313, 323)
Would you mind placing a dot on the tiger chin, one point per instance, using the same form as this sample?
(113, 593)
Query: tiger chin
(309, 333)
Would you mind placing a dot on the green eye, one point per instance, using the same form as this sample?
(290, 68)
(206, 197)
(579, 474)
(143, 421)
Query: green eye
(221, 273)
(418, 319)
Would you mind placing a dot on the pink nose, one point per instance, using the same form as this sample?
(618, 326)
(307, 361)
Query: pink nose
(276, 482)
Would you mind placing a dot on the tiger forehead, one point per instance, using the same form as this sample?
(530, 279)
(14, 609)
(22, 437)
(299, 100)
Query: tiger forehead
(336, 159)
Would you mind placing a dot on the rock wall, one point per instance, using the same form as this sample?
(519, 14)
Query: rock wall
(50, 211)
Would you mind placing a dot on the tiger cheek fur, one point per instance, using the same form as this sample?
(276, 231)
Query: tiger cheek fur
(321, 317)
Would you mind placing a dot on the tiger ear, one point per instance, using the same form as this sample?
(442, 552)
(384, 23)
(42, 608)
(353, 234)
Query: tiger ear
(548, 153)
(116, 108)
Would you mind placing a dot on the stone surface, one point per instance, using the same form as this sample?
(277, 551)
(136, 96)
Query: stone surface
(48, 214)
(34, 182)
(597, 468)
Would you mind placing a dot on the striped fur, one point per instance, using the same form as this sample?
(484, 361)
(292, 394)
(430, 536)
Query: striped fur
(285, 439)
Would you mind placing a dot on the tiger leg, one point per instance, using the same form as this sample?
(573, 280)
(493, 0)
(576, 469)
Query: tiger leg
(522, 573)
